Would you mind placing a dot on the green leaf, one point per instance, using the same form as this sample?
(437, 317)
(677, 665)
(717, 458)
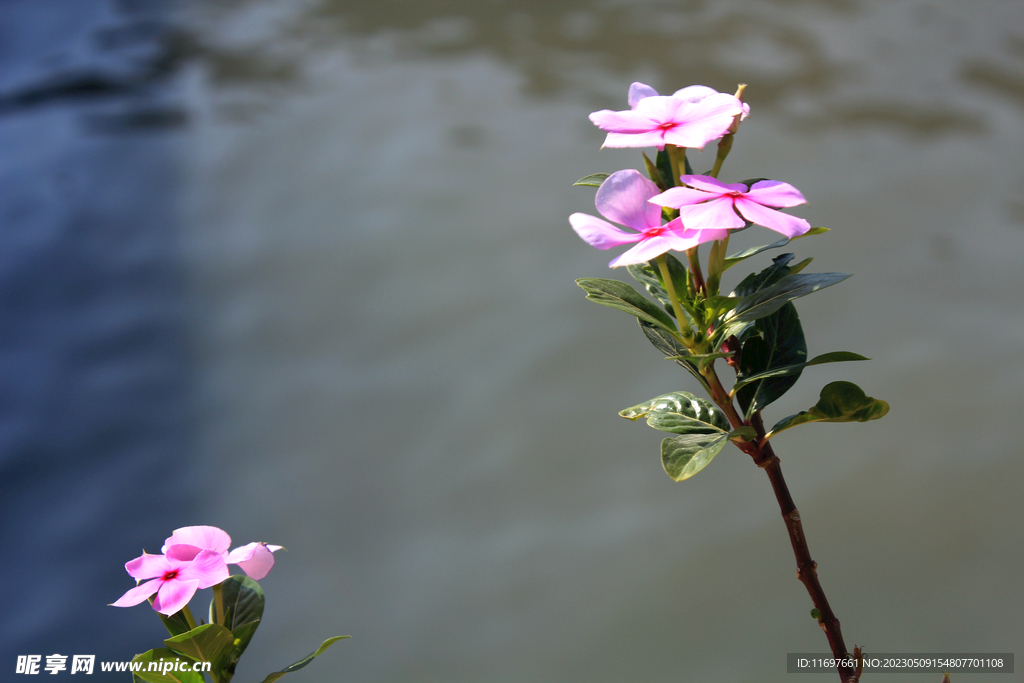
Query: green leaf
(243, 601)
(686, 455)
(593, 180)
(766, 301)
(730, 261)
(623, 297)
(664, 165)
(839, 402)
(680, 412)
(304, 661)
(207, 643)
(187, 676)
(771, 342)
(832, 357)
(176, 624)
(670, 346)
(649, 275)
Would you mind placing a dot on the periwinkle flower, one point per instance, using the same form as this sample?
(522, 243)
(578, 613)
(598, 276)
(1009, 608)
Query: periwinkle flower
(690, 117)
(710, 203)
(624, 198)
(175, 576)
(255, 559)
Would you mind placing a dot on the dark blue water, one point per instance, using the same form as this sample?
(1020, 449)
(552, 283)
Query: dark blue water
(96, 424)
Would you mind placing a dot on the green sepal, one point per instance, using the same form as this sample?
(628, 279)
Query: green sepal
(158, 654)
(304, 661)
(670, 346)
(832, 357)
(680, 412)
(207, 643)
(731, 261)
(593, 180)
(653, 173)
(623, 297)
(243, 602)
(838, 402)
(771, 342)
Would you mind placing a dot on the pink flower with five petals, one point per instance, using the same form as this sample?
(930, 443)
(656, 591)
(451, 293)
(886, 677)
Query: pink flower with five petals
(624, 197)
(710, 203)
(690, 117)
(255, 559)
(175, 576)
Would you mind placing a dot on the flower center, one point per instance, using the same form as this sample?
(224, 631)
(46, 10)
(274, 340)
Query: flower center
(169, 575)
(667, 126)
(734, 193)
(655, 231)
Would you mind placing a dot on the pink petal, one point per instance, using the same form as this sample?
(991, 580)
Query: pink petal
(631, 140)
(775, 193)
(173, 595)
(207, 569)
(623, 197)
(702, 121)
(639, 91)
(718, 213)
(205, 537)
(629, 121)
(712, 184)
(255, 559)
(137, 594)
(181, 553)
(690, 238)
(147, 566)
(643, 252)
(790, 226)
(676, 197)
(599, 233)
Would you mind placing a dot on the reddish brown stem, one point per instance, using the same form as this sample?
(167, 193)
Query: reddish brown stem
(806, 568)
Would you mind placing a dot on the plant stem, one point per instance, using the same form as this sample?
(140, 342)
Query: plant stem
(677, 158)
(698, 276)
(670, 289)
(187, 613)
(806, 568)
(218, 601)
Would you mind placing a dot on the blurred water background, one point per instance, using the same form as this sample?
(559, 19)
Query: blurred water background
(302, 270)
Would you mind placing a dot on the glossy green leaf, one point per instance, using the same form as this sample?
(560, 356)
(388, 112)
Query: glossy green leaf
(730, 261)
(593, 180)
(207, 643)
(304, 661)
(680, 412)
(766, 301)
(176, 624)
(243, 601)
(772, 342)
(838, 402)
(832, 357)
(686, 455)
(623, 297)
(670, 346)
(162, 654)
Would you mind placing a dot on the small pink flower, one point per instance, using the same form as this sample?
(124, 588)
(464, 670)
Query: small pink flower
(624, 198)
(710, 203)
(255, 559)
(690, 117)
(175, 576)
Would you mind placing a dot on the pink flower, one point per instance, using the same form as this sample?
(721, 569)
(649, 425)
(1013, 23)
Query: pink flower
(255, 559)
(710, 203)
(176, 577)
(691, 117)
(624, 198)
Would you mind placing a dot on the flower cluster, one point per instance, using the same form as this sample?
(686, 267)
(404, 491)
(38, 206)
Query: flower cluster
(194, 557)
(707, 208)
